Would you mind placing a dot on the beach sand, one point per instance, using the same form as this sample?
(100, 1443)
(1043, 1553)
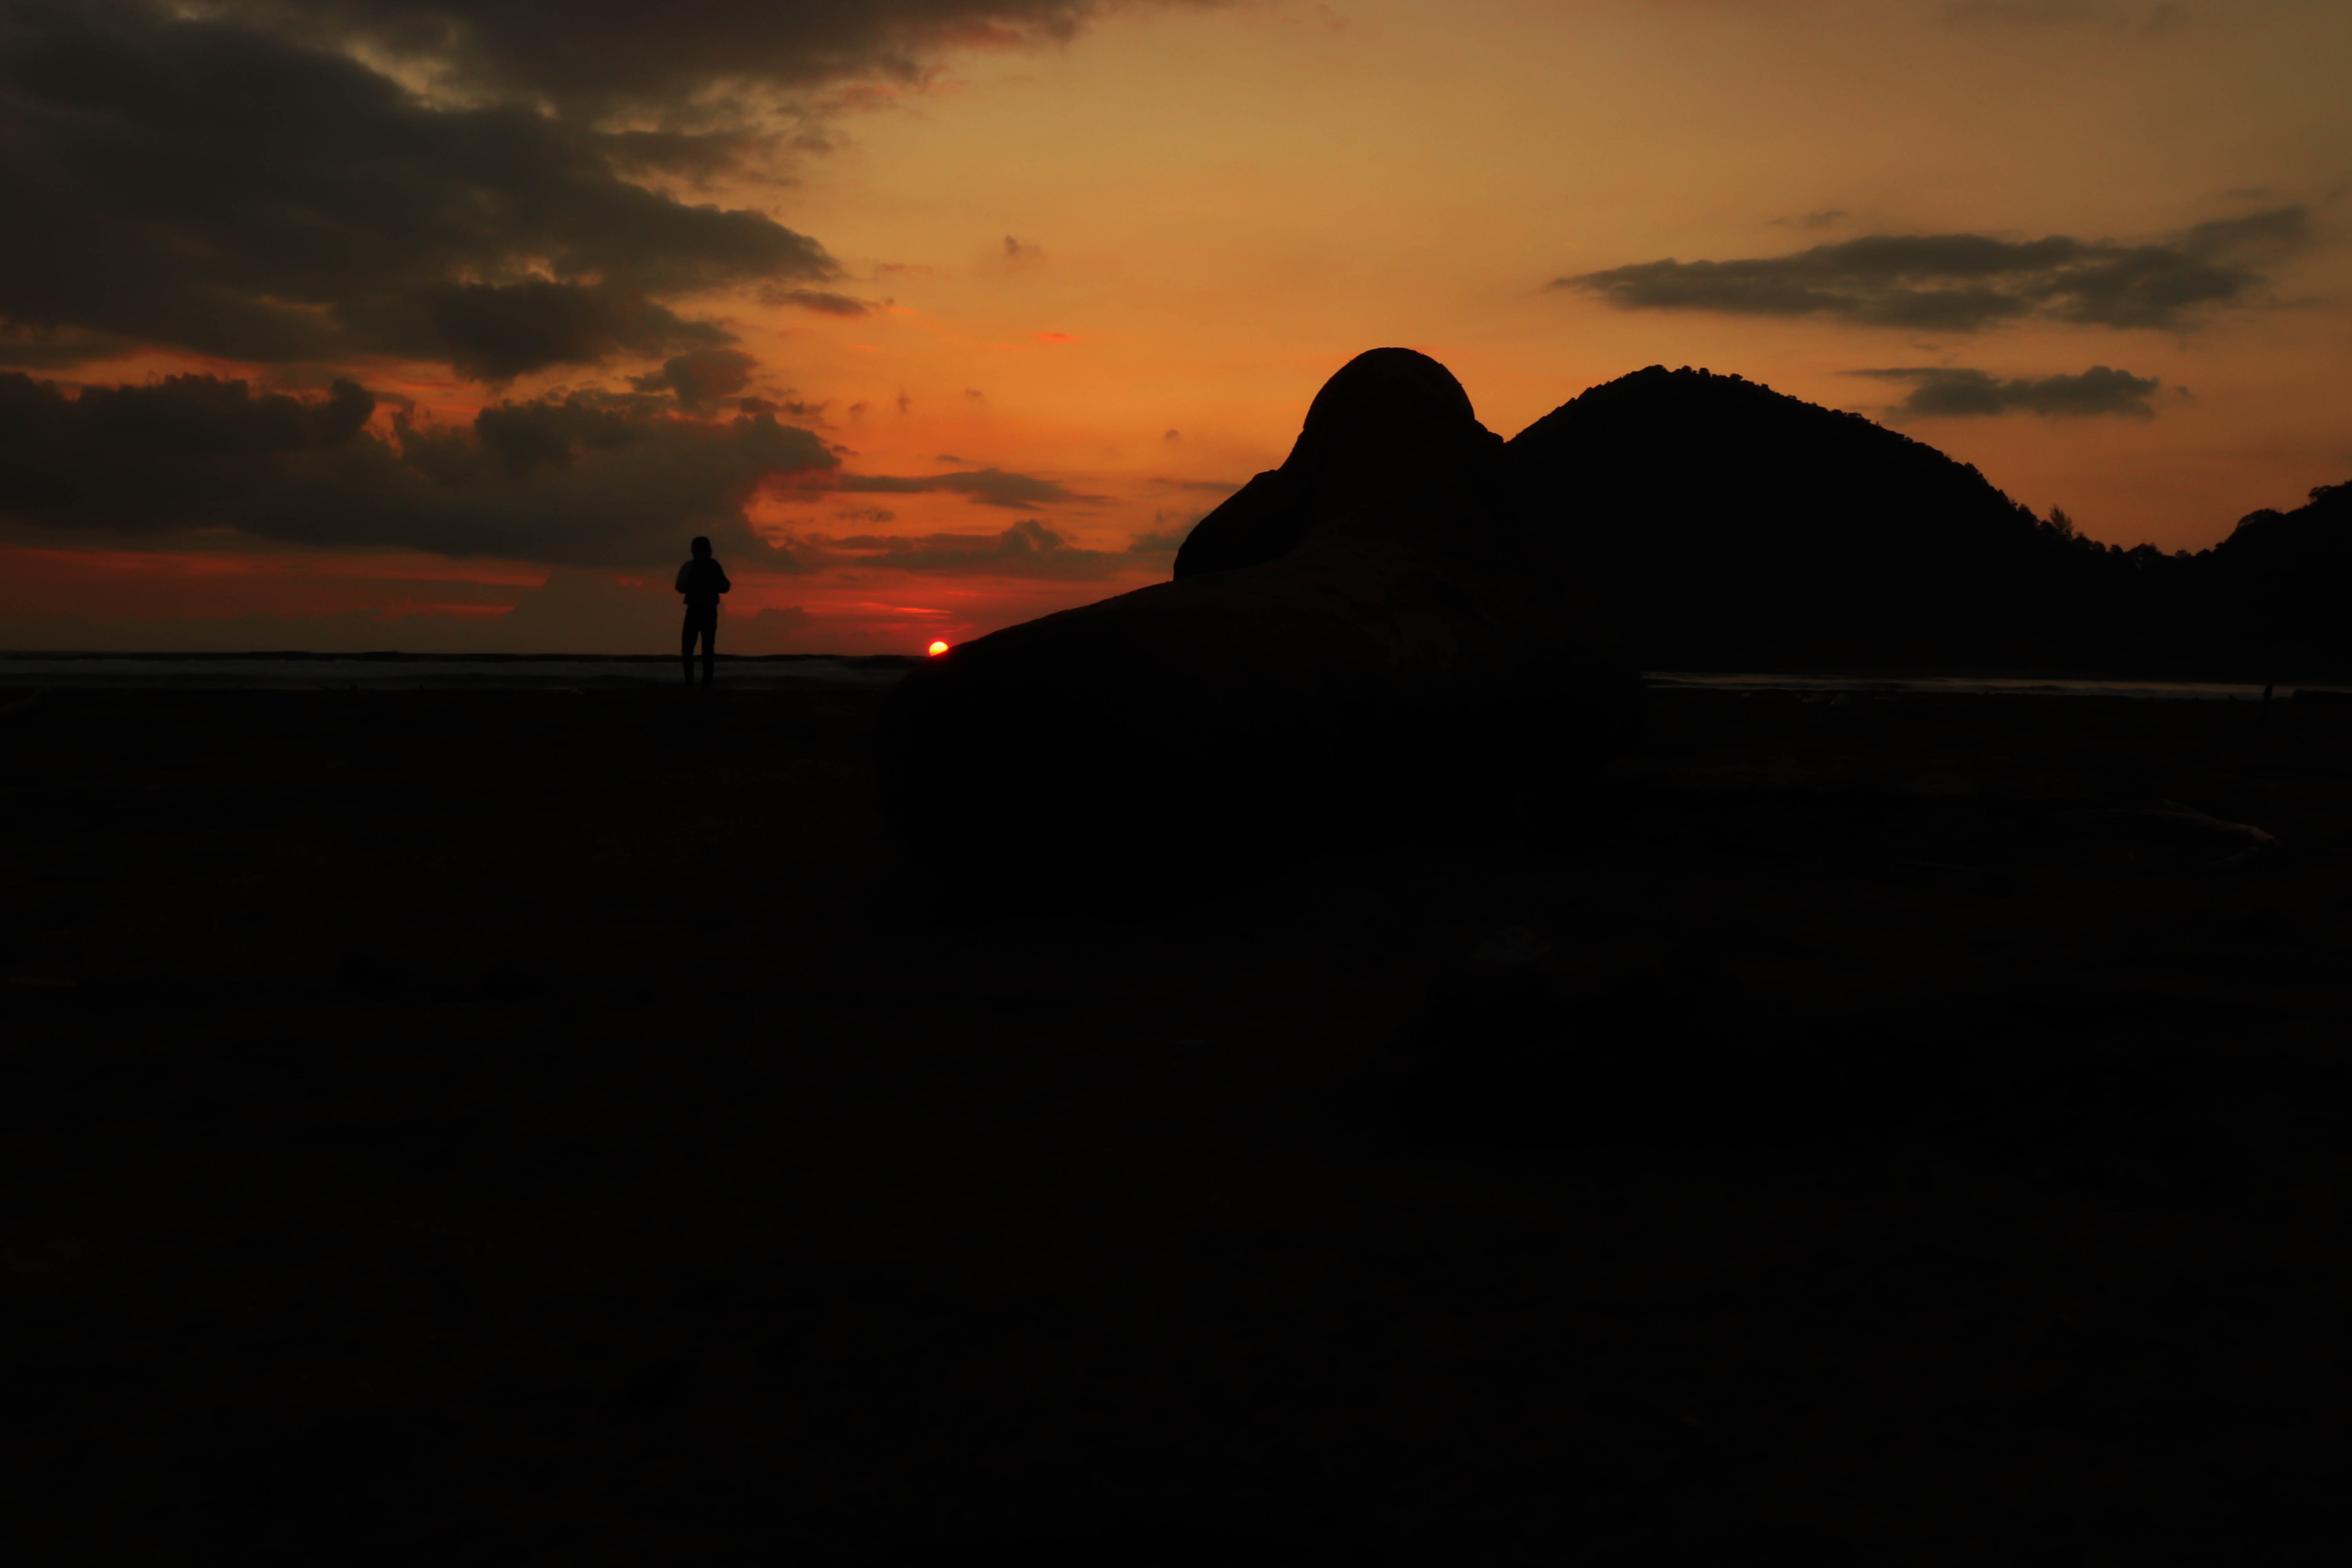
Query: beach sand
(494, 1127)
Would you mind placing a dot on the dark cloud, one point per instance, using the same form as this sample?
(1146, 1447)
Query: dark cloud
(701, 378)
(494, 332)
(817, 299)
(251, 180)
(797, 408)
(592, 56)
(593, 479)
(694, 156)
(1030, 548)
(216, 188)
(989, 486)
(1952, 390)
(43, 350)
(1960, 282)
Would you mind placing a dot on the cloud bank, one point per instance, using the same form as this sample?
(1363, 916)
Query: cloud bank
(1963, 282)
(1946, 391)
(585, 479)
(988, 486)
(596, 56)
(215, 189)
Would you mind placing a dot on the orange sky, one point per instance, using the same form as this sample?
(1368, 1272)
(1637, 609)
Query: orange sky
(1123, 262)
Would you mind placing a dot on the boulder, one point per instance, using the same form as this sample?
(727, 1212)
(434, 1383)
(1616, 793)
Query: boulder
(1365, 641)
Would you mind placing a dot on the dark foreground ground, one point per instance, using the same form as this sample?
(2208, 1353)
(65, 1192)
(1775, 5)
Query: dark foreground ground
(484, 1128)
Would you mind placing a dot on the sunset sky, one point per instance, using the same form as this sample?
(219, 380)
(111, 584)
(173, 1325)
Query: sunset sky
(443, 325)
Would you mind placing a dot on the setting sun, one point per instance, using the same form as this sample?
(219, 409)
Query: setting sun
(938, 649)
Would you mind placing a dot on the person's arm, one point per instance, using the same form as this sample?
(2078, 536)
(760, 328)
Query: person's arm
(720, 572)
(682, 573)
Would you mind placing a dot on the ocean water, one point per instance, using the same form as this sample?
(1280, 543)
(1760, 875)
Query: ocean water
(402, 671)
(580, 672)
(1970, 686)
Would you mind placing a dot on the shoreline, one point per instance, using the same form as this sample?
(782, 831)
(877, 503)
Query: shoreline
(296, 670)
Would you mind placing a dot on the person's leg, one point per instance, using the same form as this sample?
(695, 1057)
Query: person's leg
(686, 650)
(709, 648)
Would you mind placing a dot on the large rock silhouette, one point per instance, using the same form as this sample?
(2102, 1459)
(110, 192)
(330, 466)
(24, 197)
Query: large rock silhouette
(1371, 639)
(1722, 525)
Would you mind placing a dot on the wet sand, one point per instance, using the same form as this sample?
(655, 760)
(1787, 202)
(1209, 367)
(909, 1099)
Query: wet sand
(483, 1127)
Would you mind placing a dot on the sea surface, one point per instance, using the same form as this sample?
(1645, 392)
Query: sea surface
(581, 672)
(412, 672)
(1969, 686)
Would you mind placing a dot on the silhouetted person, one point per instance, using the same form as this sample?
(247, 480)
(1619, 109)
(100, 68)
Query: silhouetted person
(701, 580)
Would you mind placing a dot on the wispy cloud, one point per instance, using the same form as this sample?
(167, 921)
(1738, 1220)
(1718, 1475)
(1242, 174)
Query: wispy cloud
(822, 301)
(1207, 487)
(1951, 390)
(1962, 282)
(988, 486)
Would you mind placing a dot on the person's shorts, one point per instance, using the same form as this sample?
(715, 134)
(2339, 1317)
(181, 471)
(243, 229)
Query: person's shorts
(702, 617)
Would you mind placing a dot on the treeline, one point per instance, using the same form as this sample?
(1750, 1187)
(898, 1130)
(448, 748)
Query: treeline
(1718, 524)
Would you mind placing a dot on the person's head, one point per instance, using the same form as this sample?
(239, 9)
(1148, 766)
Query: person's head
(702, 547)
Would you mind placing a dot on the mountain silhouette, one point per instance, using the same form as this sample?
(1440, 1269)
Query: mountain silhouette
(2274, 595)
(1721, 525)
